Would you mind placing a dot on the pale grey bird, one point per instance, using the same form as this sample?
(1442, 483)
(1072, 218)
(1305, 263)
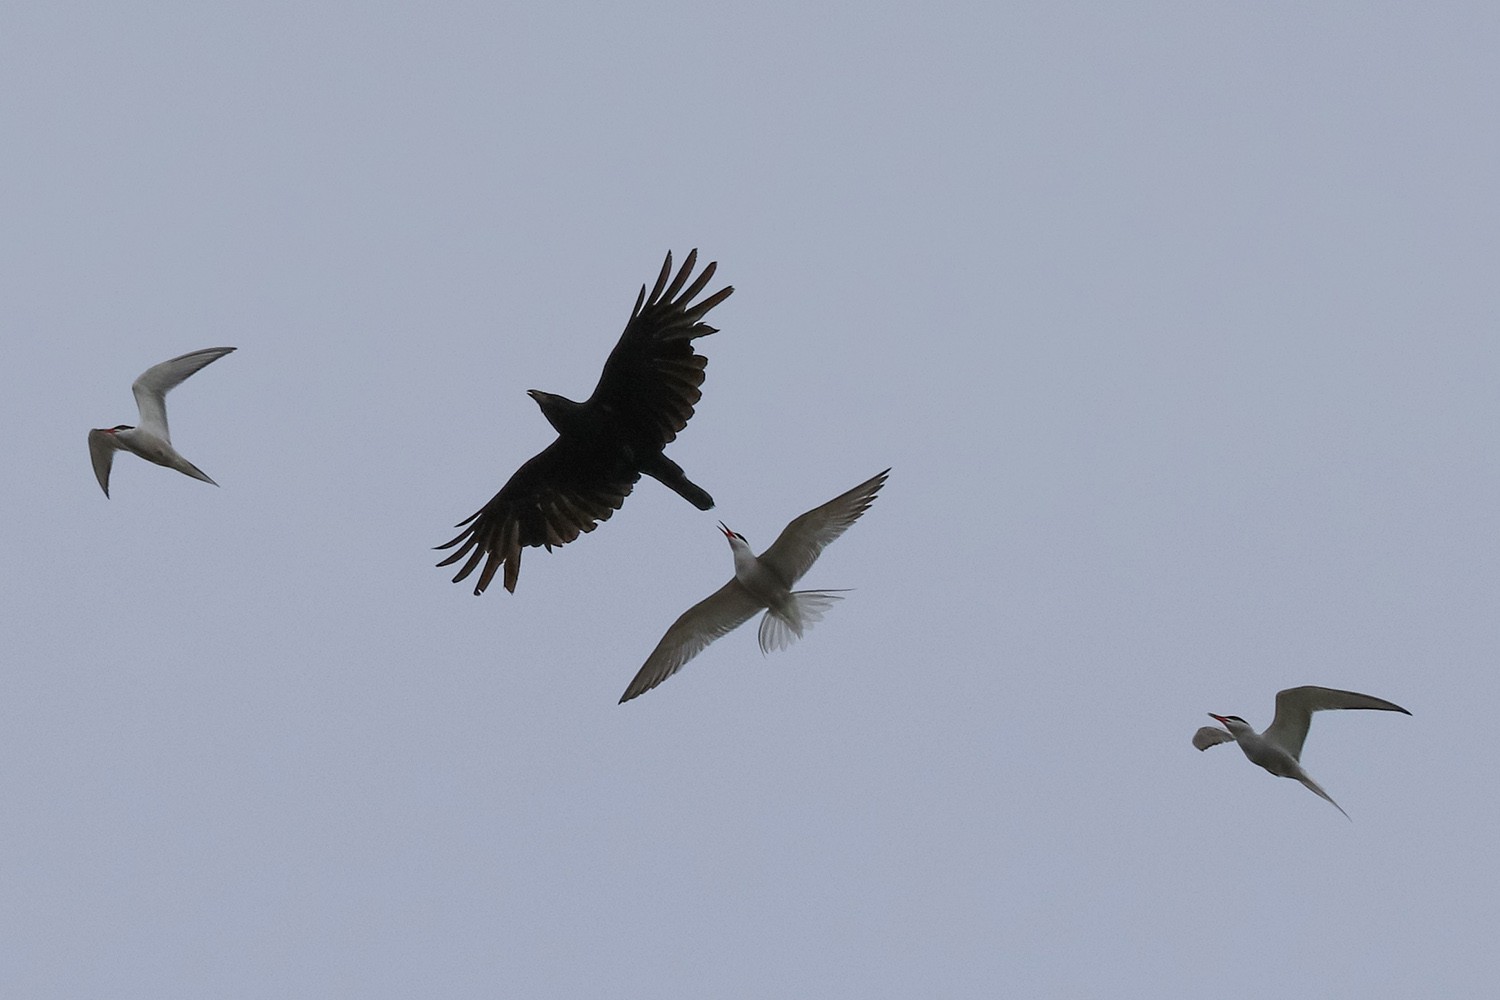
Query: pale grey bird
(1279, 748)
(151, 440)
(761, 583)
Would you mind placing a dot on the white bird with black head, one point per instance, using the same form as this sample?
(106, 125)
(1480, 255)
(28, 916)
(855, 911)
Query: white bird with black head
(150, 439)
(1279, 748)
(761, 583)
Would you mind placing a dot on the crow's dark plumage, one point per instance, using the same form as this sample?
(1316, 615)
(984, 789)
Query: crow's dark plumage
(604, 444)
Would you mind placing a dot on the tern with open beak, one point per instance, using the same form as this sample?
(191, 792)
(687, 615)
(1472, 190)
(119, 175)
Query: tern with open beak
(1279, 748)
(761, 582)
(150, 439)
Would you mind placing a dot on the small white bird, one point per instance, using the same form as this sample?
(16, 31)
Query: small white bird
(1279, 748)
(151, 439)
(761, 583)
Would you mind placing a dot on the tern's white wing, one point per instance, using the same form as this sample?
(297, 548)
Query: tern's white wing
(797, 548)
(725, 610)
(1210, 736)
(154, 383)
(1295, 706)
(102, 454)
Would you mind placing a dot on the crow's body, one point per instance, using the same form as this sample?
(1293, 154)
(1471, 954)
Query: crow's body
(645, 396)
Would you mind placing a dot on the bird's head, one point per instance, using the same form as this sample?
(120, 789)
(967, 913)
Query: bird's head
(557, 409)
(734, 538)
(1233, 723)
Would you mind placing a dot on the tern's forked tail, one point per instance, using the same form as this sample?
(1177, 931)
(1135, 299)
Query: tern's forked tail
(808, 608)
(1317, 790)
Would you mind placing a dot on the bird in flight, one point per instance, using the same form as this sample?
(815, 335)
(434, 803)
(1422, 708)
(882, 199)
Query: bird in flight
(644, 398)
(151, 440)
(761, 582)
(1279, 748)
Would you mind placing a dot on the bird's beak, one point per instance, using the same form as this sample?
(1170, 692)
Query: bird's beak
(725, 528)
(1213, 716)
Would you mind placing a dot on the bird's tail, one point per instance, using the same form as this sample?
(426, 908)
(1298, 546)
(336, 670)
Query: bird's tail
(1317, 790)
(187, 468)
(778, 631)
(670, 474)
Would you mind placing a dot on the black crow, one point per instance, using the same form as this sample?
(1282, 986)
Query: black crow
(644, 397)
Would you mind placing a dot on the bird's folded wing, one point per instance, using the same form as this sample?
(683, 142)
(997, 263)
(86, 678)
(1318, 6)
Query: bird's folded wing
(725, 610)
(1295, 706)
(651, 379)
(102, 454)
(1210, 736)
(798, 545)
(552, 499)
(153, 384)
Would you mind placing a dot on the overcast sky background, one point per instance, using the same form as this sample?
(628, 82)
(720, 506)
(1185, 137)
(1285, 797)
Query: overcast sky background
(1177, 324)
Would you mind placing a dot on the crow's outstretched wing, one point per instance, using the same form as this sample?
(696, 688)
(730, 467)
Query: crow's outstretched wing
(650, 381)
(552, 499)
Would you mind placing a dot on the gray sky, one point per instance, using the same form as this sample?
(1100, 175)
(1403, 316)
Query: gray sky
(1176, 323)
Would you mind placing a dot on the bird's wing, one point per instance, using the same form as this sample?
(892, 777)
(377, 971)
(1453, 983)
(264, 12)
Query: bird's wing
(650, 381)
(1210, 736)
(725, 610)
(1295, 706)
(102, 454)
(154, 383)
(552, 499)
(798, 545)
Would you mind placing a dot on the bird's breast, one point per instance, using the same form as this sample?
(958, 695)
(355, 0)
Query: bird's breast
(764, 585)
(1272, 758)
(147, 446)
